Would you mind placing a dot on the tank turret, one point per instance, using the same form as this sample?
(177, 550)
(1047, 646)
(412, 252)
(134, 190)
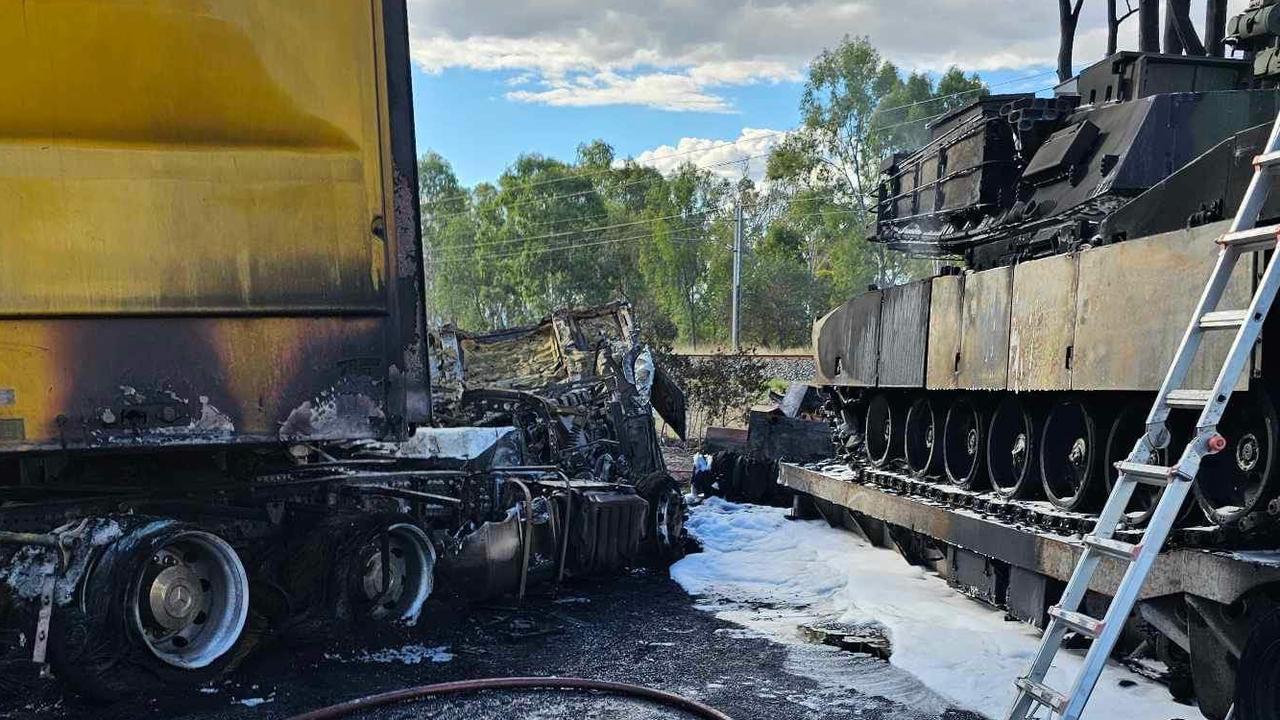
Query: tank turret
(1014, 177)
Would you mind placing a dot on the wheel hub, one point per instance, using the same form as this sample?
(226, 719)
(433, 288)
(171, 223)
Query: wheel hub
(176, 597)
(971, 442)
(192, 599)
(1019, 450)
(1079, 452)
(1248, 450)
(372, 582)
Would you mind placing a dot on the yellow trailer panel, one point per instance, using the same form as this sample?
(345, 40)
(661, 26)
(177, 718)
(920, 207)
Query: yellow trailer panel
(208, 223)
(190, 156)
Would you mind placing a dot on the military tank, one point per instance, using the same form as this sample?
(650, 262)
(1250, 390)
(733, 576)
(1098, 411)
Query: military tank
(978, 413)
(1074, 234)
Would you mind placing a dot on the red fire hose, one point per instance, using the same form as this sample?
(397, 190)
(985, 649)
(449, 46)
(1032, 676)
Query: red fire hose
(661, 697)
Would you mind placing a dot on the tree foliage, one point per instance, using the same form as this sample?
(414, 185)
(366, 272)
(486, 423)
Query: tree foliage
(549, 233)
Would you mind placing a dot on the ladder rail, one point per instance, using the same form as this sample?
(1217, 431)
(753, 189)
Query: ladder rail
(1126, 596)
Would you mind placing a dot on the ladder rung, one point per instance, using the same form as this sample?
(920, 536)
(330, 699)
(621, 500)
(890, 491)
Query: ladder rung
(1113, 548)
(1251, 240)
(1079, 622)
(1043, 694)
(1267, 160)
(1223, 319)
(1189, 399)
(1146, 474)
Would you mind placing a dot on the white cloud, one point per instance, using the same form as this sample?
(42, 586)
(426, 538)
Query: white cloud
(682, 54)
(726, 158)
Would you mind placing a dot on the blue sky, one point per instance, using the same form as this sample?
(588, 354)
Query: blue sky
(463, 115)
(495, 78)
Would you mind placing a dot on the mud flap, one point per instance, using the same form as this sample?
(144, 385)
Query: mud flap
(668, 399)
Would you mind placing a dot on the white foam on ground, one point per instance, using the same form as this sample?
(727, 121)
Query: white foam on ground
(770, 575)
(407, 655)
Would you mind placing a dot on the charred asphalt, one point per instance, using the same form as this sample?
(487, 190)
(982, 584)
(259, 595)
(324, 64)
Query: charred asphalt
(641, 628)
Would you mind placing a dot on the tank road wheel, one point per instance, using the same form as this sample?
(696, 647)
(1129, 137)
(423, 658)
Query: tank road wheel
(921, 438)
(1129, 424)
(1240, 480)
(163, 605)
(963, 443)
(1012, 462)
(389, 574)
(884, 431)
(1069, 456)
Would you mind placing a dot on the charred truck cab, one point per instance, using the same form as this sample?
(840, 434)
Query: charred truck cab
(216, 420)
(1080, 229)
(582, 389)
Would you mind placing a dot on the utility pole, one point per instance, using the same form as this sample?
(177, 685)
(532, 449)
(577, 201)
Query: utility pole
(735, 318)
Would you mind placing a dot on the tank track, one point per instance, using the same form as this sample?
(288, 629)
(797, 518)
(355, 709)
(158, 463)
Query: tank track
(1032, 515)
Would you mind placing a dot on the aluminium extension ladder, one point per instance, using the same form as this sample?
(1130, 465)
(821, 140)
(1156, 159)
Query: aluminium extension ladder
(1243, 239)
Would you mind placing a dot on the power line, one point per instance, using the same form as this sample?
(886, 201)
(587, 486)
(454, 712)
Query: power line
(589, 191)
(763, 133)
(565, 233)
(602, 228)
(611, 241)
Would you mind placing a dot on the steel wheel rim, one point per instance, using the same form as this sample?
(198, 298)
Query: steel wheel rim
(1128, 426)
(1067, 452)
(410, 577)
(669, 520)
(1235, 482)
(921, 437)
(1010, 445)
(962, 443)
(190, 600)
(879, 430)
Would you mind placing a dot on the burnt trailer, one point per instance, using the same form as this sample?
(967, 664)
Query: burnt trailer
(1074, 234)
(216, 422)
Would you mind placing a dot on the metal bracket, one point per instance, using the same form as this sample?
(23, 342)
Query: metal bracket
(41, 645)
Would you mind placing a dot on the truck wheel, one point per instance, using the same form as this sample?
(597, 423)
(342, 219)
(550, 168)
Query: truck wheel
(664, 526)
(164, 605)
(385, 572)
(1258, 674)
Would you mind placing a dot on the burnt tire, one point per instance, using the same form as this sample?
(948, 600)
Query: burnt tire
(665, 538)
(1258, 673)
(361, 593)
(100, 645)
